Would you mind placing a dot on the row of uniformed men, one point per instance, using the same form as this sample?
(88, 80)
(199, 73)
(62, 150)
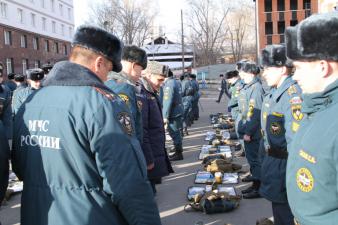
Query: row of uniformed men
(85, 137)
(289, 128)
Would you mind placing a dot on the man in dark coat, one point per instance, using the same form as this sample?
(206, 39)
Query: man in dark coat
(5, 105)
(75, 146)
(224, 89)
(153, 144)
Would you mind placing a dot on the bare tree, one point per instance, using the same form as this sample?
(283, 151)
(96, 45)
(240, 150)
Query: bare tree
(206, 19)
(125, 18)
(241, 30)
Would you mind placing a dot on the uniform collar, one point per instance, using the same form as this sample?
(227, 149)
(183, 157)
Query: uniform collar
(66, 73)
(319, 101)
(288, 82)
(255, 80)
(147, 86)
(122, 76)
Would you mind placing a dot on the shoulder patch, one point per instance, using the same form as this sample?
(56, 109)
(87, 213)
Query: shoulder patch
(139, 105)
(292, 90)
(125, 98)
(106, 94)
(296, 100)
(125, 121)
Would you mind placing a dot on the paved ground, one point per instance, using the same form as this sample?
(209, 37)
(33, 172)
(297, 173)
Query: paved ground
(171, 195)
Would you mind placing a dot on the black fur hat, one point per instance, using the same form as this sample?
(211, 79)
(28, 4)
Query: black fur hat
(273, 55)
(239, 63)
(10, 76)
(47, 67)
(100, 41)
(1, 68)
(249, 67)
(35, 74)
(231, 74)
(19, 77)
(193, 76)
(315, 38)
(135, 54)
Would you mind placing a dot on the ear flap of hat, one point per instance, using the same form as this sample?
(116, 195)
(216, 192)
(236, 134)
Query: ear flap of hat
(291, 43)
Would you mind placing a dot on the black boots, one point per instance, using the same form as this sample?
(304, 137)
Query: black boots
(254, 193)
(177, 155)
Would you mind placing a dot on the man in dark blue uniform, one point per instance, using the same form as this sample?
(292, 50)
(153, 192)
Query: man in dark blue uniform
(224, 89)
(34, 78)
(236, 85)
(195, 109)
(125, 83)
(5, 106)
(10, 82)
(187, 99)
(75, 146)
(249, 125)
(173, 113)
(279, 128)
(311, 176)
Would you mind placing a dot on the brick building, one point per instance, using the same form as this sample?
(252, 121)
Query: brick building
(34, 32)
(274, 16)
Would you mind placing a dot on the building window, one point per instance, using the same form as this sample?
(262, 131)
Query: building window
(61, 9)
(268, 28)
(8, 37)
(280, 5)
(281, 38)
(23, 41)
(293, 22)
(269, 39)
(24, 65)
(56, 47)
(35, 43)
(54, 26)
(46, 45)
(52, 5)
(44, 23)
(9, 65)
(37, 64)
(33, 19)
(267, 5)
(306, 4)
(43, 3)
(3, 10)
(65, 50)
(63, 30)
(281, 27)
(69, 13)
(293, 4)
(20, 16)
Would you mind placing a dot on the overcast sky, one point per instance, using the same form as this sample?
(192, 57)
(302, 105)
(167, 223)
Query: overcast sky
(169, 16)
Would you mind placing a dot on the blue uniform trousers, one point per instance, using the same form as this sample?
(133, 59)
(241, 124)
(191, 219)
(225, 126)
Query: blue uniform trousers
(174, 127)
(282, 214)
(252, 155)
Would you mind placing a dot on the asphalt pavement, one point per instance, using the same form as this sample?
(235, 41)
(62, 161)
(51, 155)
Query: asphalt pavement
(171, 194)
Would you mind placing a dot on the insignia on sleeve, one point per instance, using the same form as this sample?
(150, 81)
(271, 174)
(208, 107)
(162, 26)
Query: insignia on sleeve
(139, 105)
(304, 180)
(265, 116)
(292, 90)
(106, 94)
(125, 121)
(125, 98)
(166, 93)
(296, 112)
(276, 128)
